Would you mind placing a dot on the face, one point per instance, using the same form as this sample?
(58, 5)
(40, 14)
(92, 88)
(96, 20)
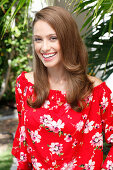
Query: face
(46, 44)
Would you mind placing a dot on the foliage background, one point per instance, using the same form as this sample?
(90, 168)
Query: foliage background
(15, 51)
(99, 34)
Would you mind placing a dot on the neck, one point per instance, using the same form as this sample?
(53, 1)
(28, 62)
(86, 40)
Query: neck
(56, 74)
(57, 78)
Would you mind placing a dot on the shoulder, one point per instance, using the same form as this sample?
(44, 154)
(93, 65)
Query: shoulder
(23, 81)
(95, 81)
(24, 78)
(29, 77)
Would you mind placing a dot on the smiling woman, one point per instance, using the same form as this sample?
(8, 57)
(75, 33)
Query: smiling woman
(62, 110)
(46, 44)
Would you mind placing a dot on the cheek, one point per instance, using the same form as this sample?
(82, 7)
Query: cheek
(37, 48)
(57, 48)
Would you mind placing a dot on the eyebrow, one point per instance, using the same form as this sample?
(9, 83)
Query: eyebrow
(47, 35)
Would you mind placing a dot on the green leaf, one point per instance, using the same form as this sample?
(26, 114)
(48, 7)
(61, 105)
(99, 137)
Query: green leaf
(9, 50)
(87, 22)
(3, 2)
(18, 7)
(5, 16)
(111, 24)
(98, 5)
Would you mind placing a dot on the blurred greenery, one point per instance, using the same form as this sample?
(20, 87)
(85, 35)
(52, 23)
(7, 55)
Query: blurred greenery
(15, 50)
(6, 159)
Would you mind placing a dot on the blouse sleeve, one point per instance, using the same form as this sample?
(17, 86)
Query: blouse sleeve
(19, 149)
(106, 106)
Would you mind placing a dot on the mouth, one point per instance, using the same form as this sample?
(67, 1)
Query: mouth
(48, 56)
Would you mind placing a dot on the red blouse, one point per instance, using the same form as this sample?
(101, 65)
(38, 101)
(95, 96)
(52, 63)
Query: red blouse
(57, 137)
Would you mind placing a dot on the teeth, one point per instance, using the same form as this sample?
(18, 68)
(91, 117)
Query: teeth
(48, 55)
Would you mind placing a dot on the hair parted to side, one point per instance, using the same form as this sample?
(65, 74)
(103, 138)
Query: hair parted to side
(74, 59)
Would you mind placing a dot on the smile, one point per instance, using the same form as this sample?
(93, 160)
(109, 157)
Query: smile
(48, 55)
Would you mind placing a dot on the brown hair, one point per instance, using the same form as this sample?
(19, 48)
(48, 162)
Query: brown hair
(74, 59)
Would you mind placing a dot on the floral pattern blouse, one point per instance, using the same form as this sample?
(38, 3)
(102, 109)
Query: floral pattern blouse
(55, 137)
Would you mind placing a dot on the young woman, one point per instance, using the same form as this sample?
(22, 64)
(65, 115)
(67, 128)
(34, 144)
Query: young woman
(62, 111)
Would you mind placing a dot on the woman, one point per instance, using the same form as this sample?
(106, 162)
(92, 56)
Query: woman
(62, 110)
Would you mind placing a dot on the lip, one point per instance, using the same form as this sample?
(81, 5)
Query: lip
(49, 58)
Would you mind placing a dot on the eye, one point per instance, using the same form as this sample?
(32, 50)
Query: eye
(37, 39)
(53, 38)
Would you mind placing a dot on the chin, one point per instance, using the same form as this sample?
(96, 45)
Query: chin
(51, 64)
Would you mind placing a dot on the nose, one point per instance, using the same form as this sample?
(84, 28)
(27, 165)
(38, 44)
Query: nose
(45, 46)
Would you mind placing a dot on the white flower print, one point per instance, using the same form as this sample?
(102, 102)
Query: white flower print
(56, 126)
(88, 126)
(84, 116)
(111, 113)
(69, 117)
(35, 136)
(109, 165)
(67, 106)
(110, 128)
(110, 139)
(23, 157)
(97, 126)
(46, 120)
(68, 138)
(90, 165)
(63, 93)
(54, 163)
(97, 140)
(18, 88)
(51, 124)
(36, 164)
(58, 101)
(111, 97)
(74, 143)
(25, 91)
(46, 104)
(29, 149)
(30, 88)
(69, 166)
(79, 125)
(89, 99)
(22, 134)
(104, 102)
(56, 148)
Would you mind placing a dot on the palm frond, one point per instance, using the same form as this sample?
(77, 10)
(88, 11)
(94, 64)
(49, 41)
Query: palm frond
(18, 5)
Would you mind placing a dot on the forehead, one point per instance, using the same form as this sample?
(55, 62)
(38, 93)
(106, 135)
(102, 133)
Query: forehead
(42, 27)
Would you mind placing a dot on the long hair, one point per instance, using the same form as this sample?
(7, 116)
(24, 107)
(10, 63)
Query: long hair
(74, 59)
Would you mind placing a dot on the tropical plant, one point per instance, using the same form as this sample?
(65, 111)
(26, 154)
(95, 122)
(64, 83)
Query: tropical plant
(18, 4)
(99, 34)
(15, 51)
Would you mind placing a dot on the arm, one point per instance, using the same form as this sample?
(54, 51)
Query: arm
(106, 106)
(19, 149)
